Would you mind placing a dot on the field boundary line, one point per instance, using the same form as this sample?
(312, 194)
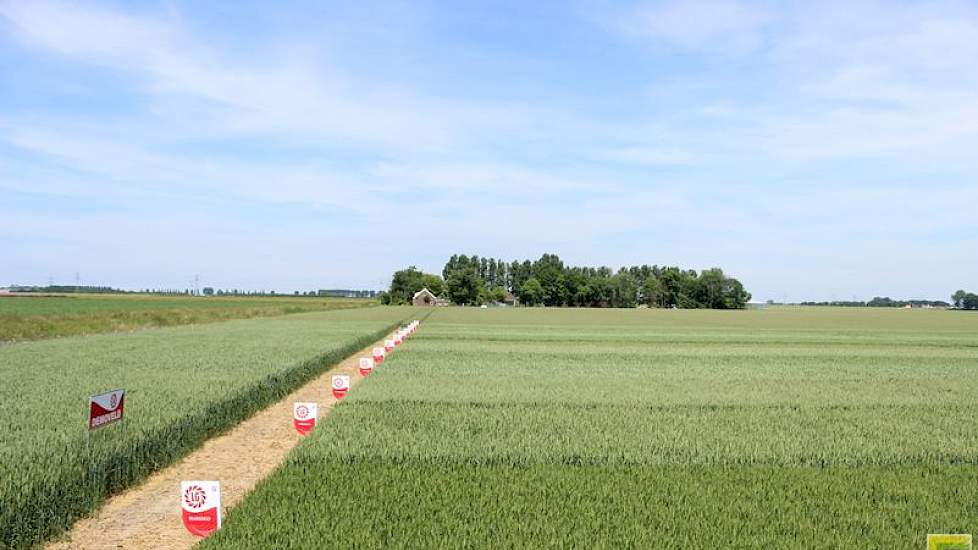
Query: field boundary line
(147, 515)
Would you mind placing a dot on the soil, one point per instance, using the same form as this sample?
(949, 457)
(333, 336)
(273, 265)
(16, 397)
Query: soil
(148, 516)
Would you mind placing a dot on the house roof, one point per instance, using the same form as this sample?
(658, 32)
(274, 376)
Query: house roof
(424, 291)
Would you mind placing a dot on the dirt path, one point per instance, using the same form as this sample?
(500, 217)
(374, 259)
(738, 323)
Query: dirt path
(148, 516)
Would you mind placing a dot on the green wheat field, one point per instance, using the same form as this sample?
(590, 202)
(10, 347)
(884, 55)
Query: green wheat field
(184, 384)
(781, 428)
(505, 428)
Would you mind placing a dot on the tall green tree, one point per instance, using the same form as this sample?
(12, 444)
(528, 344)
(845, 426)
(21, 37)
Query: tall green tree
(672, 287)
(652, 292)
(549, 271)
(465, 287)
(625, 290)
(710, 289)
(519, 273)
(531, 293)
(496, 294)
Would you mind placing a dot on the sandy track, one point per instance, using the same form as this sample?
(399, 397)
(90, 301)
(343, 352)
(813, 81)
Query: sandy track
(147, 516)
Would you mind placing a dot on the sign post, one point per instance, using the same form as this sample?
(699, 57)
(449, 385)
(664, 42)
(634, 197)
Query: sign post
(200, 502)
(366, 366)
(304, 417)
(341, 385)
(106, 408)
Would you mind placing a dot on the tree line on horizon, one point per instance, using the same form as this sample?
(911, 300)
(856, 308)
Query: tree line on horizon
(878, 301)
(471, 280)
(960, 300)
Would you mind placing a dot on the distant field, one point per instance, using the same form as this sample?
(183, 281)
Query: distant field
(782, 428)
(184, 384)
(31, 317)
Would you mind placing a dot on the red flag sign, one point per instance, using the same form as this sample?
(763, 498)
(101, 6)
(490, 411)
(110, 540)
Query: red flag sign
(341, 385)
(200, 502)
(366, 365)
(304, 417)
(106, 408)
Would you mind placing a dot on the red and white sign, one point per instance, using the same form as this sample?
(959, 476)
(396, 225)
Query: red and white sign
(378, 355)
(398, 338)
(388, 346)
(106, 408)
(304, 417)
(341, 385)
(366, 365)
(200, 502)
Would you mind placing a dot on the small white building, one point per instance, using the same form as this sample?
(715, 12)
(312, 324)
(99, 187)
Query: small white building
(427, 298)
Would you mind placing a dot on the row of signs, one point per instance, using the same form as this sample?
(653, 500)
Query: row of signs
(200, 501)
(105, 409)
(304, 414)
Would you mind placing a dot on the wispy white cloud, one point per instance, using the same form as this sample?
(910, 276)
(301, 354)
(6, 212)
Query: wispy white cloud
(761, 126)
(835, 81)
(298, 94)
(725, 27)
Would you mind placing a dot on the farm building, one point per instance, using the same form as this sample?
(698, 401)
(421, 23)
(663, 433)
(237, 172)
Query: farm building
(425, 297)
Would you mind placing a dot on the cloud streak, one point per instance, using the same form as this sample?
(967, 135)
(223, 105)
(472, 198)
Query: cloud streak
(741, 134)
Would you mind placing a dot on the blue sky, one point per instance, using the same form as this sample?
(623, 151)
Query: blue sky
(813, 150)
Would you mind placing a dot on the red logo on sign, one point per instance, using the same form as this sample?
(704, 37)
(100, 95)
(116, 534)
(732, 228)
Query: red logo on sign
(195, 496)
(200, 508)
(341, 384)
(106, 408)
(304, 417)
(366, 365)
(378, 356)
